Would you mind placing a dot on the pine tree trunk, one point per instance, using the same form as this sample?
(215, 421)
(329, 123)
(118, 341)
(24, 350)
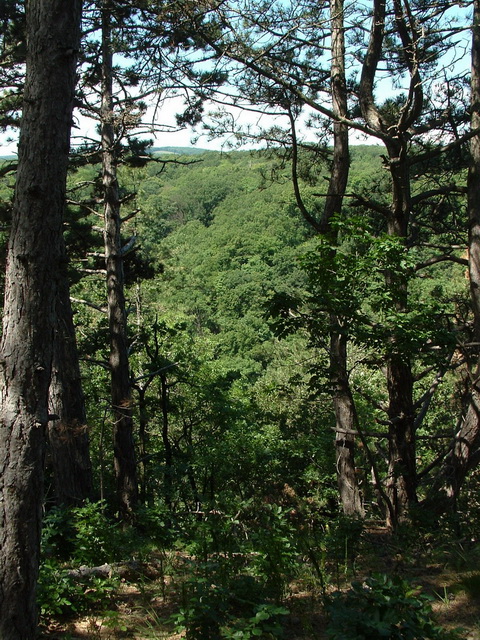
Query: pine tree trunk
(343, 403)
(401, 486)
(68, 438)
(401, 481)
(402, 477)
(121, 394)
(35, 252)
(346, 426)
(465, 451)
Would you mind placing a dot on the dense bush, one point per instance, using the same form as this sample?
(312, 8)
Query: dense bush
(383, 608)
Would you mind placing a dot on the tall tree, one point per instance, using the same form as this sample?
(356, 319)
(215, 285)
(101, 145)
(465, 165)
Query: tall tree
(408, 41)
(114, 96)
(343, 401)
(35, 254)
(404, 34)
(69, 454)
(121, 394)
(280, 72)
(401, 416)
(346, 419)
(68, 437)
(464, 452)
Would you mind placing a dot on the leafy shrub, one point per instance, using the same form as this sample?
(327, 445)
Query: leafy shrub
(383, 608)
(96, 538)
(275, 558)
(59, 593)
(204, 610)
(55, 592)
(157, 526)
(81, 535)
(57, 534)
(86, 535)
(342, 541)
(244, 564)
(219, 604)
(264, 623)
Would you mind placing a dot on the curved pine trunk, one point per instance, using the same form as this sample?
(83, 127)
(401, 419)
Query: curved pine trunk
(121, 393)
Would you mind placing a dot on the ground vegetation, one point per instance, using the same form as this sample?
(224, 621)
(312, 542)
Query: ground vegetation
(282, 342)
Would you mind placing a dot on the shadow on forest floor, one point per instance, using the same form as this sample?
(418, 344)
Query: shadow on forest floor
(142, 607)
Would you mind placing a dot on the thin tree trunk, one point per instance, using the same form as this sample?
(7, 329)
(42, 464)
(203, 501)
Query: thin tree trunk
(68, 436)
(168, 475)
(402, 473)
(401, 478)
(341, 156)
(35, 253)
(123, 445)
(343, 402)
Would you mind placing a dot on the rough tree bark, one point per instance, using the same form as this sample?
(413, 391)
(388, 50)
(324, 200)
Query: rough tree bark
(346, 419)
(68, 438)
(343, 402)
(401, 480)
(464, 453)
(346, 424)
(121, 393)
(35, 252)
(402, 475)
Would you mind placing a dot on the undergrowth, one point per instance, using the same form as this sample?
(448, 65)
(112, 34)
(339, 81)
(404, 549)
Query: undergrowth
(232, 576)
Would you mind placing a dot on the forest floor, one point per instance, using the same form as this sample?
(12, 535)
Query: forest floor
(142, 607)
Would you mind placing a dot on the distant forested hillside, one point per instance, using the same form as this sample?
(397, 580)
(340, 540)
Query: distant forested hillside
(221, 302)
(180, 151)
(229, 295)
(218, 236)
(214, 283)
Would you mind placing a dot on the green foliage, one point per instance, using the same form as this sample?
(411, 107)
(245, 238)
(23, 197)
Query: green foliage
(96, 538)
(342, 543)
(56, 592)
(264, 533)
(204, 609)
(264, 624)
(238, 571)
(383, 608)
(59, 593)
(346, 277)
(245, 412)
(57, 534)
(276, 556)
(217, 603)
(80, 536)
(85, 535)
